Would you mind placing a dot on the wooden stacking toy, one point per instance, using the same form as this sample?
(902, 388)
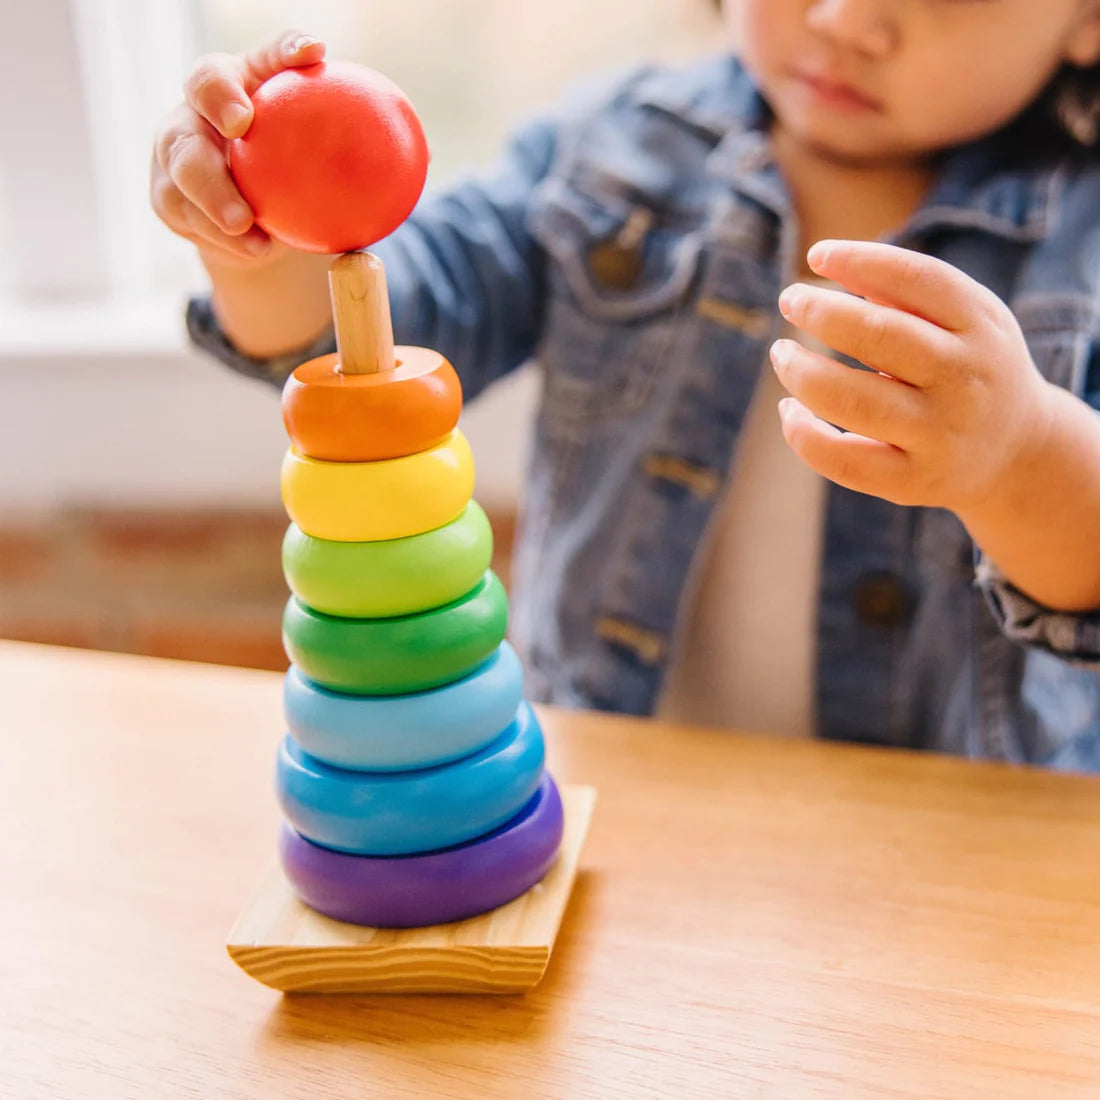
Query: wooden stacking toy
(424, 845)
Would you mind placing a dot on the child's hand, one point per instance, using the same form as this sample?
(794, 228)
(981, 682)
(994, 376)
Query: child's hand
(190, 185)
(957, 402)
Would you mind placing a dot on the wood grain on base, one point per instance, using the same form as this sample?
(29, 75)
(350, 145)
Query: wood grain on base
(282, 943)
(755, 917)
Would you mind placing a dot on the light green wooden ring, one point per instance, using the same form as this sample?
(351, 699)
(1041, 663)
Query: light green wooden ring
(400, 655)
(378, 580)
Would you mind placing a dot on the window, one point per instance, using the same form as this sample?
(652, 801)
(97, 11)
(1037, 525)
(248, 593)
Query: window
(83, 252)
(102, 394)
(474, 67)
(75, 222)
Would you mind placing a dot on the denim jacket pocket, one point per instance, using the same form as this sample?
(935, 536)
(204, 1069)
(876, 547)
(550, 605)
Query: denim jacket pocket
(618, 271)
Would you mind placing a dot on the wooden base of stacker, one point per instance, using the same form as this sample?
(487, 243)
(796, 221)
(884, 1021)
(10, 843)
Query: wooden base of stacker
(282, 943)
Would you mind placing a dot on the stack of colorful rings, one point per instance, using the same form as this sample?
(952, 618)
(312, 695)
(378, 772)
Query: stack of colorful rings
(412, 776)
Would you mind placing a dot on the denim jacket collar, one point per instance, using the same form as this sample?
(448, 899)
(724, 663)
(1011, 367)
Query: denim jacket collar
(974, 191)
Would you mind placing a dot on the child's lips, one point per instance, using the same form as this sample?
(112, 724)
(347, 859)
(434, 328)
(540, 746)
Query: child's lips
(836, 93)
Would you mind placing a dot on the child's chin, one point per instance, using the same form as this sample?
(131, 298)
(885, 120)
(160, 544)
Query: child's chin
(843, 141)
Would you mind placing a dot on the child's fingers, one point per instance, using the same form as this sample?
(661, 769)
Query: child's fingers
(855, 400)
(902, 278)
(183, 217)
(220, 85)
(189, 153)
(215, 89)
(187, 221)
(890, 340)
(854, 461)
(249, 246)
(288, 49)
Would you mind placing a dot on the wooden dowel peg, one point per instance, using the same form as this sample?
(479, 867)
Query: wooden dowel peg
(361, 312)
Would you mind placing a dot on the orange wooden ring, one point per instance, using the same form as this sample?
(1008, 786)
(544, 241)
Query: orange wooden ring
(367, 417)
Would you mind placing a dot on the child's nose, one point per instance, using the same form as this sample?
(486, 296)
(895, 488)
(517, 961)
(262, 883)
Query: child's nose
(867, 26)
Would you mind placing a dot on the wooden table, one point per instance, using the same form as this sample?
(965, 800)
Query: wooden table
(754, 917)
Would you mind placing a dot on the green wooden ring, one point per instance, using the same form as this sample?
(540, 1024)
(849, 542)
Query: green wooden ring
(401, 655)
(378, 580)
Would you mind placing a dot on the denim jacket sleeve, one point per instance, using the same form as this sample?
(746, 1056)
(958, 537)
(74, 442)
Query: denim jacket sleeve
(1074, 636)
(1056, 299)
(464, 275)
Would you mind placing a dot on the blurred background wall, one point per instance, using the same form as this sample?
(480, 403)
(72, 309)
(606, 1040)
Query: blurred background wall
(139, 505)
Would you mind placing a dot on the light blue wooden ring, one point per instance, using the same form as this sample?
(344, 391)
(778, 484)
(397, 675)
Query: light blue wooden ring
(399, 732)
(401, 813)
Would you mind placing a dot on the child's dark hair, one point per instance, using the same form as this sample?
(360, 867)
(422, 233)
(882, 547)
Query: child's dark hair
(1064, 120)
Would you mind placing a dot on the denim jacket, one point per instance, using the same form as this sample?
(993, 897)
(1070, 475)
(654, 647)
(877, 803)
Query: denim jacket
(634, 245)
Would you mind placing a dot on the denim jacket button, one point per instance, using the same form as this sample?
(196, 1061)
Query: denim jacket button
(617, 263)
(882, 600)
(615, 267)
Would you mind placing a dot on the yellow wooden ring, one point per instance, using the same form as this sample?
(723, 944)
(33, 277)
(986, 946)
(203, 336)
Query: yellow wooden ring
(372, 501)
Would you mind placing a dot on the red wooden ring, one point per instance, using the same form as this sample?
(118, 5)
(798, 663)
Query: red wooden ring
(367, 417)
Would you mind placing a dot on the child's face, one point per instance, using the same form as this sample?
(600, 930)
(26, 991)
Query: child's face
(873, 80)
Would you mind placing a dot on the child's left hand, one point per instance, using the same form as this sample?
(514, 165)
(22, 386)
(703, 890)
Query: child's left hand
(956, 403)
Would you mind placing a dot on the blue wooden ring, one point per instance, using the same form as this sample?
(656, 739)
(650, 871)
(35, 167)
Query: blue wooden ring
(412, 891)
(399, 813)
(400, 732)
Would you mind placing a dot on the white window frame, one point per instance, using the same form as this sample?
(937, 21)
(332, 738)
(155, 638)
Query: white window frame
(87, 269)
(104, 402)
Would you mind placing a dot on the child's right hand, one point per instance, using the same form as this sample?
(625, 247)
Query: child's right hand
(190, 185)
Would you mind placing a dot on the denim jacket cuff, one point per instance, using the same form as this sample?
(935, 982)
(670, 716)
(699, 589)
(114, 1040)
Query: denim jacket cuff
(1074, 636)
(206, 333)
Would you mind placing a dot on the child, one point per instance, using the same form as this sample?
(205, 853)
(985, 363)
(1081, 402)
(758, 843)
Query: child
(941, 589)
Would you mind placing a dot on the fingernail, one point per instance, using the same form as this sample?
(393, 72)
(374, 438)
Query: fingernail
(258, 246)
(303, 42)
(236, 216)
(786, 406)
(790, 301)
(235, 116)
(818, 254)
(781, 353)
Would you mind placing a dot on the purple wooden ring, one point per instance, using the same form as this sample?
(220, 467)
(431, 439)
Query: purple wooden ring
(446, 885)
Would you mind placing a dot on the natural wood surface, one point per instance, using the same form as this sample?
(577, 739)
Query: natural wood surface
(752, 918)
(361, 313)
(284, 944)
